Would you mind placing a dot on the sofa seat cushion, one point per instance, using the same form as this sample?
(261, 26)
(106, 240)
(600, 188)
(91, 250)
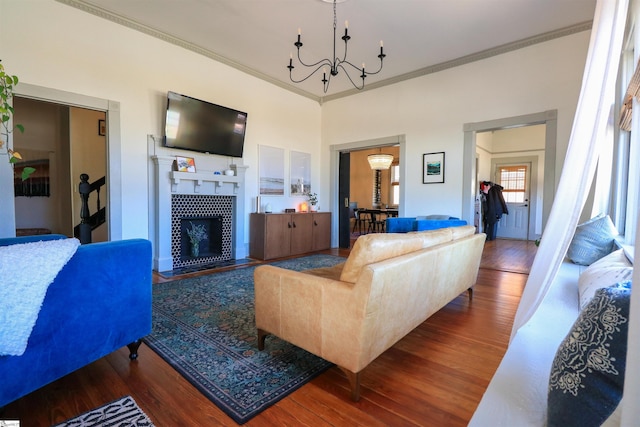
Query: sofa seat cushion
(587, 375)
(376, 247)
(605, 272)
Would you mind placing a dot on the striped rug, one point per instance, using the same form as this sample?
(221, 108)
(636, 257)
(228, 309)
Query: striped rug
(122, 412)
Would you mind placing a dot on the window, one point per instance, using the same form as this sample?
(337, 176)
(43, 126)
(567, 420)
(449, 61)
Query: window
(626, 159)
(513, 179)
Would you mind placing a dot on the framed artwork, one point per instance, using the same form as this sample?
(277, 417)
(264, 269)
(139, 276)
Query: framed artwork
(102, 127)
(433, 168)
(271, 170)
(186, 164)
(300, 173)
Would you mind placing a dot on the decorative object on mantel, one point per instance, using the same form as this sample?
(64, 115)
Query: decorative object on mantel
(229, 172)
(290, 210)
(186, 164)
(7, 83)
(433, 168)
(267, 208)
(196, 233)
(335, 63)
(304, 207)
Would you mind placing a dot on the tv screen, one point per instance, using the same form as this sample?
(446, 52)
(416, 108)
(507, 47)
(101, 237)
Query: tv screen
(192, 124)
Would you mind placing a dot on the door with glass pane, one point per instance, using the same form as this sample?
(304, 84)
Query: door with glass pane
(514, 179)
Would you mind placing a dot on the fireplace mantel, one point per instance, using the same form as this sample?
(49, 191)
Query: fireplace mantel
(200, 180)
(169, 182)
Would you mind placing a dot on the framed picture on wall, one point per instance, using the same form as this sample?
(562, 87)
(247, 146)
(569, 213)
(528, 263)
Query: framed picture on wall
(271, 170)
(186, 164)
(433, 168)
(300, 173)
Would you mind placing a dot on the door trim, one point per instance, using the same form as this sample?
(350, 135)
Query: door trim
(334, 162)
(470, 185)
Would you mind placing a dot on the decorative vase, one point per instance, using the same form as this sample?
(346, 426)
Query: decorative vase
(195, 250)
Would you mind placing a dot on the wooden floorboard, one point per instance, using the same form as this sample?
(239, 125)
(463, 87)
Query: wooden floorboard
(435, 376)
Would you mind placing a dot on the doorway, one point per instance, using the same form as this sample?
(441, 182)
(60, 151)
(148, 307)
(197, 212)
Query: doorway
(61, 142)
(338, 202)
(544, 181)
(113, 156)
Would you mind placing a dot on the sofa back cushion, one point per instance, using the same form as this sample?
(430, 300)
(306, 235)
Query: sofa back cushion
(462, 231)
(433, 237)
(376, 247)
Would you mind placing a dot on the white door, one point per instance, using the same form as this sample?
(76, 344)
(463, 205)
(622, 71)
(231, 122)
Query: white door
(514, 178)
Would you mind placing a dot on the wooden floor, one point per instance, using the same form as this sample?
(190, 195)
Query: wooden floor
(435, 376)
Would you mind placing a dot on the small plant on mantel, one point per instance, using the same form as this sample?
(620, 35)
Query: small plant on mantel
(7, 83)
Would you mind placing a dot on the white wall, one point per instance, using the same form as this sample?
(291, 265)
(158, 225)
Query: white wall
(431, 110)
(49, 44)
(52, 45)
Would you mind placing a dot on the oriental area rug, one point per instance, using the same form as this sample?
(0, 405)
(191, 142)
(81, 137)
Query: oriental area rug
(204, 327)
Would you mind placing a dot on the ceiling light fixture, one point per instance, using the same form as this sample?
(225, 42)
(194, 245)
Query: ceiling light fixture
(380, 161)
(335, 64)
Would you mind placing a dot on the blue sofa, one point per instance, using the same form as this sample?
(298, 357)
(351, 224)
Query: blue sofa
(406, 224)
(99, 301)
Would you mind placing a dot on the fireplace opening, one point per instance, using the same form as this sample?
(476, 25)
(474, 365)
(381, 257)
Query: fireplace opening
(200, 237)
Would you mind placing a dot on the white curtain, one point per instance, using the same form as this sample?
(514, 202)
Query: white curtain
(588, 133)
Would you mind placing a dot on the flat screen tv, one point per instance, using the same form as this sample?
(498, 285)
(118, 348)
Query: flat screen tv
(192, 124)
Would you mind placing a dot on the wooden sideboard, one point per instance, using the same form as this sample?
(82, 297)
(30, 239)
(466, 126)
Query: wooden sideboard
(284, 234)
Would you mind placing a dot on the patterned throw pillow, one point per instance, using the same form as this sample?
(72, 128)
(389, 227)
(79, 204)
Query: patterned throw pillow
(592, 240)
(613, 268)
(587, 374)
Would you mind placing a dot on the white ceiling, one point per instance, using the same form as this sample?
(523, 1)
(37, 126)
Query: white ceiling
(419, 36)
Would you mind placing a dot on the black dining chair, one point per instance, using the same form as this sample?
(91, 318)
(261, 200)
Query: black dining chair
(359, 220)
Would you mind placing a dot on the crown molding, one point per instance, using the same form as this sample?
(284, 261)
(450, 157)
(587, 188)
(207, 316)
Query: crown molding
(478, 56)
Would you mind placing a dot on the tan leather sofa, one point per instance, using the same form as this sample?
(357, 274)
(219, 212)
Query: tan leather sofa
(351, 313)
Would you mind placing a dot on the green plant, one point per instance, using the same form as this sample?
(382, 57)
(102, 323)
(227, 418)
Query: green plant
(196, 233)
(7, 84)
(313, 198)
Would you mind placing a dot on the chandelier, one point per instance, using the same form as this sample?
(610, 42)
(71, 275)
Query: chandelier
(380, 161)
(336, 64)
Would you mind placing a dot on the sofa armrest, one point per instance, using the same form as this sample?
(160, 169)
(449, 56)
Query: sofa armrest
(302, 309)
(28, 239)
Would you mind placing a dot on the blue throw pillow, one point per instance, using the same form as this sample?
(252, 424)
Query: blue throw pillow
(587, 374)
(593, 240)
